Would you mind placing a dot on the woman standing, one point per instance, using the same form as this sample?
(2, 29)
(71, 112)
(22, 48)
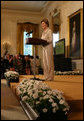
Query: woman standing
(48, 61)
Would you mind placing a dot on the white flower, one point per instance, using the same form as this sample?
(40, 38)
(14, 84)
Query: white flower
(50, 100)
(35, 90)
(66, 104)
(59, 97)
(57, 91)
(54, 110)
(40, 85)
(54, 104)
(11, 75)
(24, 91)
(46, 97)
(37, 102)
(45, 110)
(19, 92)
(61, 102)
(30, 92)
(49, 92)
(24, 98)
(35, 96)
(44, 86)
(54, 93)
(44, 93)
(66, 113)
(64, 109)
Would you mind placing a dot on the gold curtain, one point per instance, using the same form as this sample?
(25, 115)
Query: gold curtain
(21, 27)
(19, 39)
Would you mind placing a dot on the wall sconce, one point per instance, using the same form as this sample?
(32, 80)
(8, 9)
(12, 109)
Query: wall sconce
(54, 12)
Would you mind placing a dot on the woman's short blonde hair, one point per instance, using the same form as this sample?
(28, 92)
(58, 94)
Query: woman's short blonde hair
(45, 21)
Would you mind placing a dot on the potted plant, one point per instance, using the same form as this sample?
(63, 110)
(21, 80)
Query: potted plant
(45, 102)
(11, 76)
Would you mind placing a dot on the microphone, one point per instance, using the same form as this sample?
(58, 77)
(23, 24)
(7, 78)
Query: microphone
(29, 32)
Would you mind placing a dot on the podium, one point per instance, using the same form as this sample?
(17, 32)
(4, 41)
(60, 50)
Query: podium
(34, 42)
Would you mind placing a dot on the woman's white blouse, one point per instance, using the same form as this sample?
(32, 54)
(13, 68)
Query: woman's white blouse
(47, 35)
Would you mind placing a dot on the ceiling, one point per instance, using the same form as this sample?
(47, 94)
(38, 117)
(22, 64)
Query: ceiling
(33, 6)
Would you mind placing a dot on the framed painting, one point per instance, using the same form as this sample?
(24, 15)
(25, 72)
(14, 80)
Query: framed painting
(75, 27)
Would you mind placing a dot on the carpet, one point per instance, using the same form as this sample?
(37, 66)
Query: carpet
(10, 107)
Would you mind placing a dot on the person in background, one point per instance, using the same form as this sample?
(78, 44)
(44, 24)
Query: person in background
(15, 62)
(5, 54)
(18, 64)
(48, 61)
(37, 65)
(5, 59)
(27, 65)
(7, 64)
(32, 64)
(11, 63)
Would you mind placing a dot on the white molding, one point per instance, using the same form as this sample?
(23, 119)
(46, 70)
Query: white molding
(19, 12)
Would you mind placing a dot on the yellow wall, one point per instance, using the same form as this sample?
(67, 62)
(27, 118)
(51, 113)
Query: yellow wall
(9, 20)
(66, 8)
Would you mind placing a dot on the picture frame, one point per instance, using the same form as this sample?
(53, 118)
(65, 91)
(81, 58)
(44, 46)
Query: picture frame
(75, 35)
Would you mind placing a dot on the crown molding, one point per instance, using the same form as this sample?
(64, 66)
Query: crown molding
(48, 3)
(19, 12)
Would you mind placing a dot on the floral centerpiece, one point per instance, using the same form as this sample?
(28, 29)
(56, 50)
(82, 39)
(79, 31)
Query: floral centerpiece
(50, 104)
(68, 73)
(6, 45)
(11, 76)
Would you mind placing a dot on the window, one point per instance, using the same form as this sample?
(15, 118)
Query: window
(27, 48)
(55, 38)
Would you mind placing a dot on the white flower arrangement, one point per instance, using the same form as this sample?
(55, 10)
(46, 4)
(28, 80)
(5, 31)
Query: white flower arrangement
(6, 45)
(41, 97)
(11, 75)
(68, 73)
